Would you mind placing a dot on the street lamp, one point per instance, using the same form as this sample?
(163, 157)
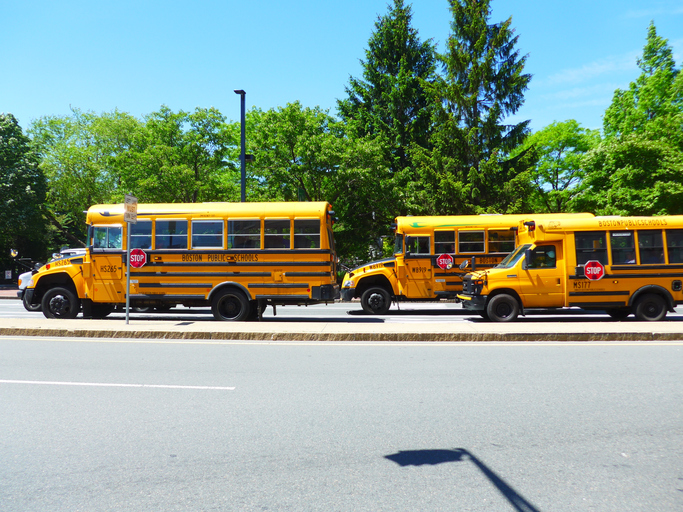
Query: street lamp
(243, 159)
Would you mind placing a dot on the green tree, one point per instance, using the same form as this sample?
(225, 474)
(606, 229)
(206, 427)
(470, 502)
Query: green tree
(469, 169)
(390, 100)
(557, 174)
(22, 193)
(638, 168)
(304, 154)
(78, 156)
(181, 157)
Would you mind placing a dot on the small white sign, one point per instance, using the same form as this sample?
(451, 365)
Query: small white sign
(8, 274)
(130, 209)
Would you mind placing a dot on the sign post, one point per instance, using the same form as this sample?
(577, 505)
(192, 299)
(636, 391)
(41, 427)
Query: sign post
(130, 216)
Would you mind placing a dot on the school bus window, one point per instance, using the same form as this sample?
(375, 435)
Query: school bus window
(623, 247)
(207, 234)
(306, 234)
(276, 234)
(591, 246)
(444, 242)
(471, 241)
(544, 256)
(651, 247)
(107, 237)
(171, 234)
(398, 244)
(674, 244)
(244, 234)
(417, 244)
(141, 235)
(501, 240)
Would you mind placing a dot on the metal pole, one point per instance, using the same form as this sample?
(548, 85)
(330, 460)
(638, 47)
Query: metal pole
(127, 272)
(243, 156)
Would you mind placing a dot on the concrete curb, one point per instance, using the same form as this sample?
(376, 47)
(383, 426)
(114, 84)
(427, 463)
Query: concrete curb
(345, 337)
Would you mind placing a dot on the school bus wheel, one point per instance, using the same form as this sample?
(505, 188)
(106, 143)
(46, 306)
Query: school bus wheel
(230, 305)
(376, 300)
(60, 303)
(651, 307)
(502, 308)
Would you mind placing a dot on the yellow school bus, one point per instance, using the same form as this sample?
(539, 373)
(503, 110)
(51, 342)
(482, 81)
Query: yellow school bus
(237, 258)
(622, 265)
(427, 255)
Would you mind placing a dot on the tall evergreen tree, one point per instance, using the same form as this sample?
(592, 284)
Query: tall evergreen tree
(390, 100)
(483, 82)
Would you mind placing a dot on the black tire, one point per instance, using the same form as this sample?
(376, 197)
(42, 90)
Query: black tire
(230, 305)
(651, 307)
(502, 308)
(60, 303)
(376, 300)
(619, 313)
(31, 307)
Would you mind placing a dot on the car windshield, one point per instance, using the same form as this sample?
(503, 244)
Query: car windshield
(398, 244)
(512, 258)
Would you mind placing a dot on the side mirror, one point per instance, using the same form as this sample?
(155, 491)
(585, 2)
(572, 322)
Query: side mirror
(527, 259)
(464, 264)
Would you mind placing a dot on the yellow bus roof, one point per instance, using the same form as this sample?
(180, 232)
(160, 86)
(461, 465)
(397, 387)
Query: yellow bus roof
(615, 223)
(113, 213)
(427, 223)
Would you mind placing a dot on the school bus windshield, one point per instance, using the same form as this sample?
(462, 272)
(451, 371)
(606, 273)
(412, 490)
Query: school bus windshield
(512, 258)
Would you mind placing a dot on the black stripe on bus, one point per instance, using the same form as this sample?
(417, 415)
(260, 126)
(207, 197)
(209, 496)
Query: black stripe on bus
(277, 285)
(175, 285)
(597, 304)
(596, 294)
(200, 274)
(165, 296)
(239, 264)
(236, 252)
(285, 297)
(659, 266)
(678, 275)
(307, 274)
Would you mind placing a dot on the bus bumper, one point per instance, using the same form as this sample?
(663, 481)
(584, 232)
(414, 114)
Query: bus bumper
(473, 302)
(348, 293)
(325, 292)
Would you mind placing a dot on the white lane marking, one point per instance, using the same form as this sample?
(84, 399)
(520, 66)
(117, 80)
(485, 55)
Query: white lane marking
(114, 385)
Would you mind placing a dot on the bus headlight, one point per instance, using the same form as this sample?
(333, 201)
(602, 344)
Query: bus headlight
(348, 284)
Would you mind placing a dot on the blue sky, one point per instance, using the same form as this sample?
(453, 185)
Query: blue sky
(135, 56)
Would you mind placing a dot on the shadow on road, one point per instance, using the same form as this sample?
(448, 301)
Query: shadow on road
(433, 457)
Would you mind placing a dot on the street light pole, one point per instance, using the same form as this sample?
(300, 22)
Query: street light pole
(243, 157)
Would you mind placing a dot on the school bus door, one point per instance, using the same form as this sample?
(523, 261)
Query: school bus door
(107, 259)
(418, 263)
(543, 281)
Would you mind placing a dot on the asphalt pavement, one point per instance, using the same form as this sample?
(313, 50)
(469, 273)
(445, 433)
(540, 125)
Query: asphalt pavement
(360, 328)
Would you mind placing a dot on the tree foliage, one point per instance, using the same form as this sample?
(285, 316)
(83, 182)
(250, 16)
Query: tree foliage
(390, 101)
(560, 149)
(22, 193)
(468, 167)
(638, 168)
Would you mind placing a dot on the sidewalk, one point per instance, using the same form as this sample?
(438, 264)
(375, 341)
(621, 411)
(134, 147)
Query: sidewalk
(372, 329)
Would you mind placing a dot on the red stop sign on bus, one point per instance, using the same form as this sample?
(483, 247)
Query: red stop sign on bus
(445, 261)
(138, 258)
(594, 270)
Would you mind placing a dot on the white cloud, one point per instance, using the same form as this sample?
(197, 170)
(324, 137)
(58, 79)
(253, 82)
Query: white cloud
(616, 64)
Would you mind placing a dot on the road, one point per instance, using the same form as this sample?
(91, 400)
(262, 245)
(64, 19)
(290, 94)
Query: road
(409, 312)
(153, 425)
